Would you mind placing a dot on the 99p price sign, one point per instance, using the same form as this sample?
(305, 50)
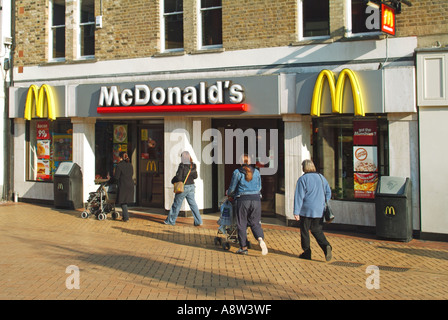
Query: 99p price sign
(43, 130)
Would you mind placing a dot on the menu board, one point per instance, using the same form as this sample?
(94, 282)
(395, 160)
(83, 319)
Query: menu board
(365, 158)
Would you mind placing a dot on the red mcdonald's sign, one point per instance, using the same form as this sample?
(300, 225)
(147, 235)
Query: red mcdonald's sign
(387, 19)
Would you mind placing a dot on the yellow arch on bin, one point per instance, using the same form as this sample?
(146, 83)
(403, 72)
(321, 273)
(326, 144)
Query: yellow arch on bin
(337, 92)
(37, 97)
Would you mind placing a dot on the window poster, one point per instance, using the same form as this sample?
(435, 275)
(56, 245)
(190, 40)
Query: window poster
(120, 140)
(365, 158)
(43, 150)
(365, 133)
(120, 133)
(43, 170)
(42, 130)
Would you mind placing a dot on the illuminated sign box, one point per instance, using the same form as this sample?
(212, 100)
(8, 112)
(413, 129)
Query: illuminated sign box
(387, 19)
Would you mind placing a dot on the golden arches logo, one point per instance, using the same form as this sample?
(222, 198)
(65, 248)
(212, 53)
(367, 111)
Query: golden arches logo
(39, 98)
(390, 210)
(337, 92)
(151, 166)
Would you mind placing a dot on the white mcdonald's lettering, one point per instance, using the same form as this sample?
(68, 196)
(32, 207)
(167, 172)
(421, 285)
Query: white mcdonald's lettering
(40, 98)
(142, 95)
(337, 92)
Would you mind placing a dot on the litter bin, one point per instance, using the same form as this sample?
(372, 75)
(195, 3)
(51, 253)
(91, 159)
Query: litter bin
(68, 189)
(393, 208)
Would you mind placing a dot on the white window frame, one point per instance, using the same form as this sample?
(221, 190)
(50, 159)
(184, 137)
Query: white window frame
(300, 30)
(80, 25)
(50, 43)
(348, 19)
(199, 14)
(162, 28)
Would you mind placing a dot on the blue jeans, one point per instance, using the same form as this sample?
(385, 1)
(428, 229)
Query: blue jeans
(178, 199)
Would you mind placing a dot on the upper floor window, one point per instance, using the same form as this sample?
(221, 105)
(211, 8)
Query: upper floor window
(57, 32)
(210, 23)
(173, 25)
(314, 19)
(87, 28)
(362, 19)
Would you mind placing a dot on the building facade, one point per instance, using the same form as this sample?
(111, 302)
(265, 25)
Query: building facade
(218, 78)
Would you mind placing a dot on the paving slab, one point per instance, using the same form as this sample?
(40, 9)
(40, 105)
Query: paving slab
(54, 254)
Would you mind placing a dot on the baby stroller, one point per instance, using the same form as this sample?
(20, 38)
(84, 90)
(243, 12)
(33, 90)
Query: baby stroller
(102, 202)
(227, 225)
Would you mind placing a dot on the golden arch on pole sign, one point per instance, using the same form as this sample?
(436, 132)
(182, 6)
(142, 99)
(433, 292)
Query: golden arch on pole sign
(38, 97)
(337, 92)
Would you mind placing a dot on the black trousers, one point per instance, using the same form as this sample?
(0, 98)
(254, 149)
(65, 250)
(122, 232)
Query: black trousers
(248, 213)
(315, 226)
(125, 212)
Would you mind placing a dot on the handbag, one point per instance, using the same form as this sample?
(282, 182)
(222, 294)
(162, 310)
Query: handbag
(328, 213)
(179, 186)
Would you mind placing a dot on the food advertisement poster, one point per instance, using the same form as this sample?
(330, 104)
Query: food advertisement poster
(43, 149)
(43, 170)
(365, 133)
(117, 148)
(365, 164)
(365, 185)
(43, 130)
(120, 133)
(365, 158)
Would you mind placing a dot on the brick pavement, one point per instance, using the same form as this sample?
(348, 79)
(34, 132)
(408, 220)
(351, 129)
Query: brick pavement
(145, 259)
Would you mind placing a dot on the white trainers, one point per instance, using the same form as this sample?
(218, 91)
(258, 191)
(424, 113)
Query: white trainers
(264, 248)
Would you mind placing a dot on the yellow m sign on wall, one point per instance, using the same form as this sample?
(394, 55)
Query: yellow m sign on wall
(337, 92)
(40, 97)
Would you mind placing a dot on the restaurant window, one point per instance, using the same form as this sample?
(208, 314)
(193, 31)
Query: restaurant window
(211, 23)
(49, 144)
(87, 28)
(173, 25)
(352, 153)
(314, 19)
(364, 19)
(110, 139)
(57, 32)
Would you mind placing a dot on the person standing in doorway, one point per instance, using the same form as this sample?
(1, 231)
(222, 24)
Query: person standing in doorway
(123, 177)
(312, 190)
(245, 188)
(185, 172)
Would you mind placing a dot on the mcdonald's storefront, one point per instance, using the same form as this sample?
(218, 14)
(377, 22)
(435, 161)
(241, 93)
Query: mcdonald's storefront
(356, 125)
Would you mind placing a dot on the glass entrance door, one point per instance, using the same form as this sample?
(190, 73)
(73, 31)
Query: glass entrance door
(151, 186)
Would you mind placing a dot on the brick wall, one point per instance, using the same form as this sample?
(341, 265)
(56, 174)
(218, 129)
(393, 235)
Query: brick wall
(425, 17)
(30, 38)
(257, 24)
(131, 28)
